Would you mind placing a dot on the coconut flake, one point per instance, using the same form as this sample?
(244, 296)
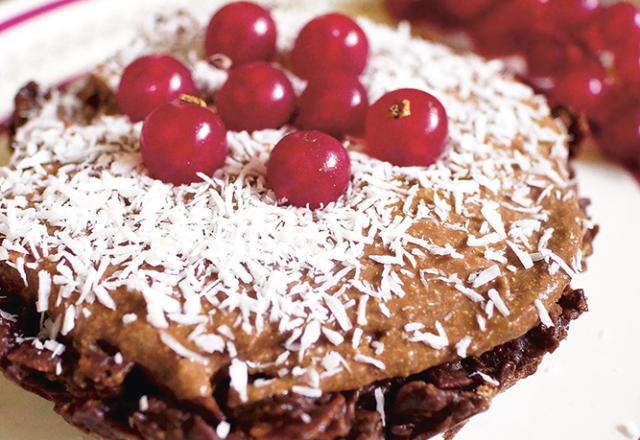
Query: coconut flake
(69, 320)
(223, 429)
(379, 396)
(488, 379)
(469, 293)
(143, 404)
(181, 350)
(486, 276)
(495, 297)
(44, 291)
(524, 257)
(462, 346)
(239, 374)
(545, 319)
(306, 391)
(369, 360)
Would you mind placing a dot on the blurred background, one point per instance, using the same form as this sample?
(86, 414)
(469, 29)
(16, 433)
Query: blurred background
(589, 388)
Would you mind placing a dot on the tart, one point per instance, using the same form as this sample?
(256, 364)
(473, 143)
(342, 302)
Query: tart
(212, 310)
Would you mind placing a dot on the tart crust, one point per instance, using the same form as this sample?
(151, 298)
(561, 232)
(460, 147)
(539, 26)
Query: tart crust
(102, 397)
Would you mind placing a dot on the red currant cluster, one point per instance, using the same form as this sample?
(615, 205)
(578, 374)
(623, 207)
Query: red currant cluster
(582, 54)
(181, 136)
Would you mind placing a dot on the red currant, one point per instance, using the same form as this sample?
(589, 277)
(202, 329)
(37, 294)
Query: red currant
(615, 27)
(408, 9)
(151, 81)
(501, 31)
(335, 104)
(421, 10)
(182, 138)
(590, 36)
(332, 42)
(407, 127)
(627, 65)
(466, 10)
(620, 25)
(620, 137)
(309, 168)
(256, 96)
(243, 31)
(614, 101)
(581, 87)
(548, 55)
(571, 13)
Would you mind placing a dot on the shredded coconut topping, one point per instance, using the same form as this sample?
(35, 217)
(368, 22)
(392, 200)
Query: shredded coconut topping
(77, 195)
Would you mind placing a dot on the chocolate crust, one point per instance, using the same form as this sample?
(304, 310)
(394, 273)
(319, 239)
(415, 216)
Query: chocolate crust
(99, 395)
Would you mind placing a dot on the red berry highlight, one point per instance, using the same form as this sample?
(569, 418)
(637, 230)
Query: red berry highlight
(182, 138)
(330, 43)
(243, 31)
(407, 127)
(581, 87)
(309, 168)
(335, 104)
(151, 81)
(256, 96)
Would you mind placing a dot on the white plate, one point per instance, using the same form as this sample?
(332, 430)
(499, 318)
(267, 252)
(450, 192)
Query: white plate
(589, 389)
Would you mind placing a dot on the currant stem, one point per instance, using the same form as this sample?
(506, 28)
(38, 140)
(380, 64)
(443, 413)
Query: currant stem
(190, 99)
(400, 109)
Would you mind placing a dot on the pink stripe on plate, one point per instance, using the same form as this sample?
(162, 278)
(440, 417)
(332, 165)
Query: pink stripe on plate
(33, 13)
(24, 17)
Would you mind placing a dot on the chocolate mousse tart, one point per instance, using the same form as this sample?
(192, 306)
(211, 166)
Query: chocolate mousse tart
(151, 309)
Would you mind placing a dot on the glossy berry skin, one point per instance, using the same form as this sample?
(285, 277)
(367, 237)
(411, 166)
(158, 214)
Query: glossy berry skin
(243, 31)
(330, 43)
(309, 168)
(336, 104)
(581, 87)
(407, 127)
(256, 96)
(180, 139)
(151, 81)
(620, 137)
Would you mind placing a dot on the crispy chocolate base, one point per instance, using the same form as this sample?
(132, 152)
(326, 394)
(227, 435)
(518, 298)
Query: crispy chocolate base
(100, 396)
